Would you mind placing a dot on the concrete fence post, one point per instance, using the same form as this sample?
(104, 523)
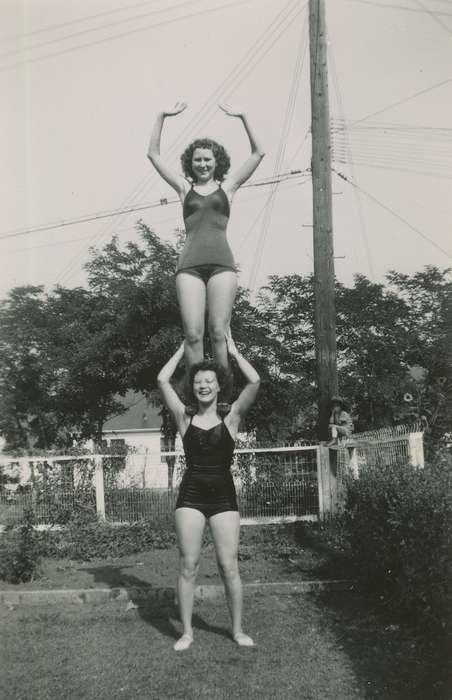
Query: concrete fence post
(99, 486)
(416, 449)
(353, 460)
(34, 495)
(327, 481)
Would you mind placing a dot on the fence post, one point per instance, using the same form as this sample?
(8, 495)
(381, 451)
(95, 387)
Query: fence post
(327, 481)
(99, 486)
(416, 449)
(31, 466)
(353, 460)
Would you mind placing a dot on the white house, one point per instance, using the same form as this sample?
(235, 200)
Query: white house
(140, 429)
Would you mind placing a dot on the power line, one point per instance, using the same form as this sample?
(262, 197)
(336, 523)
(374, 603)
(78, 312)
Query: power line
(435, 17)
(397, 168)
(123, 34)
(391, 211)
(247, 236)
(279, 25)
(290, 107)
(49, 42)
(149, 205)
(402, 101)
(403, 7)
(87, 18)
(340, 123)
(358, 202)
(157, 222)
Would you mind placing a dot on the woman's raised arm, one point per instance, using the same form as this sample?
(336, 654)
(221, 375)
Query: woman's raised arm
(241, 175)
(248, 394)
(171, 176)
(170, 397)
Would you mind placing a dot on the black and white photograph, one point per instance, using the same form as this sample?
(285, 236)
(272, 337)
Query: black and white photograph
(226, 350)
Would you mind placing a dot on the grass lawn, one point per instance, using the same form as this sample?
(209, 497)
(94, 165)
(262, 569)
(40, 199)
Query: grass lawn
(307, 647)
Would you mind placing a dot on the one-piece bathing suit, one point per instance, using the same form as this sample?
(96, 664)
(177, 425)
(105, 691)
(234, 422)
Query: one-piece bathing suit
(206, 251)
(207, 483)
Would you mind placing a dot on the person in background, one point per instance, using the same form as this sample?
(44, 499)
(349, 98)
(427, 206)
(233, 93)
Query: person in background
(341, 422)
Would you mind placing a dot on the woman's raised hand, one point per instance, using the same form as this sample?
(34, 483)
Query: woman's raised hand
(177, 109)
(231, 111)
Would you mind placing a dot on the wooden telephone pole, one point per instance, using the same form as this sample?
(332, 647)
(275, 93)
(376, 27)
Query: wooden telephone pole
(325, 312)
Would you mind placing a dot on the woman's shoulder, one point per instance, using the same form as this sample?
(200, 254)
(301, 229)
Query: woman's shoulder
(186, 188)
(228, 189)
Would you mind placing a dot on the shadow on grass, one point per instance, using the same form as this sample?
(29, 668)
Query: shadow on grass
(393, 662)
(305, 548)
(156, 607)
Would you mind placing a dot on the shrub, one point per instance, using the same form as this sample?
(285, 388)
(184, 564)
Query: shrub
(398, 523)
(84, 537)
(20, 550)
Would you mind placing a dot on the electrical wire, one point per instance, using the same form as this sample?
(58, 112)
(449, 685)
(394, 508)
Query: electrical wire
(402, 101)
(403, 7)
(248, 234)
(346, 139)
(49, 42)
(148, 205)
(86, 18)
(124, 34)
(280, 155)
(176, 217)
(395, 214)
(265, 42)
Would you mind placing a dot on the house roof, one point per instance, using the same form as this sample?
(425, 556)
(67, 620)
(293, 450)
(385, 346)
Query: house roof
(140, 414)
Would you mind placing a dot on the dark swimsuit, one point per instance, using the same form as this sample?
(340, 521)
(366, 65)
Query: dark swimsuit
(206, 251)
(207, 483)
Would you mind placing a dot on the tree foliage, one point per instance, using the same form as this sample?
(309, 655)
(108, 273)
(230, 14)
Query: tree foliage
(68, 354)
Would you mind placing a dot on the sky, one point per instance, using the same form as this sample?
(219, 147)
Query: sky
(82, 82)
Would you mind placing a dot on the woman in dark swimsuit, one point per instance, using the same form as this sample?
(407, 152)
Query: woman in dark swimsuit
(206, 273)
(207, 490)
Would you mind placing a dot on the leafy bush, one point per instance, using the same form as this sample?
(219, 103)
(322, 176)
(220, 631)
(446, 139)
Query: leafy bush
(398, 523)
(20, 550)
(84, 537)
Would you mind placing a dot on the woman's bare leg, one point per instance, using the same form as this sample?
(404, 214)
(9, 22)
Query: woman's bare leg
(225, 529)
(190, 525)
(191, 296)
(221, 291)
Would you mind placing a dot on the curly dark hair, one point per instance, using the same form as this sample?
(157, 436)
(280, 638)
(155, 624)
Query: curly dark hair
(223, 162)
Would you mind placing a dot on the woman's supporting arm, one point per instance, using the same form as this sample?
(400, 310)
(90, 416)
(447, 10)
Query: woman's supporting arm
(170, 175)
(248, 394)
(239, 176)
(170, 397)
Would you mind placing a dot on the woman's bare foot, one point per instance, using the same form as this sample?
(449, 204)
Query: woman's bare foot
(243, 640)
(183, 643)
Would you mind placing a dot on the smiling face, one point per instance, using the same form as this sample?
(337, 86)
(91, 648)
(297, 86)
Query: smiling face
(205, 386)
(203, 164)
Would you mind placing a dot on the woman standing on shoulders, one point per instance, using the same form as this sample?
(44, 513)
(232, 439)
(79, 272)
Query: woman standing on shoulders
(207, 490)
(206, 272)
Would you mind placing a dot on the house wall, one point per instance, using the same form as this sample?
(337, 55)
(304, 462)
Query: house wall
(144, 467)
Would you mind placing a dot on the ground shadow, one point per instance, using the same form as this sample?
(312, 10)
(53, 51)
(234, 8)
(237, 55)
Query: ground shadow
(391, 661)
(156, 606)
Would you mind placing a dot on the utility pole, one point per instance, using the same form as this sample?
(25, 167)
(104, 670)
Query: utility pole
(325, 312)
